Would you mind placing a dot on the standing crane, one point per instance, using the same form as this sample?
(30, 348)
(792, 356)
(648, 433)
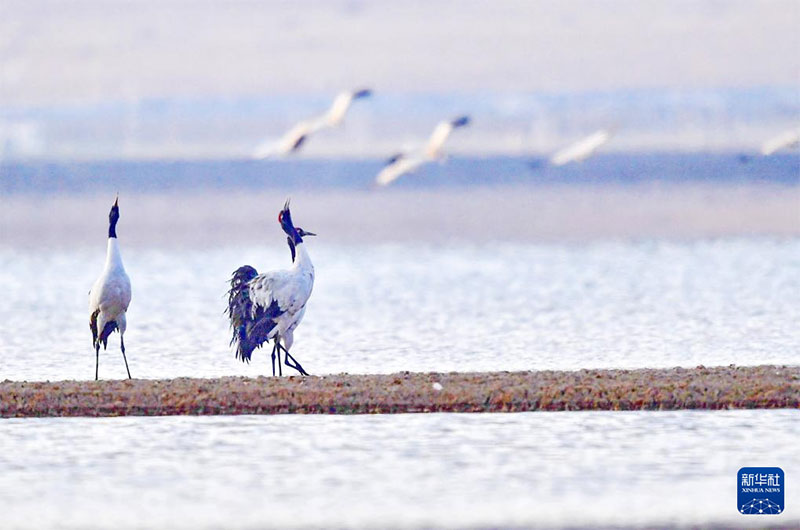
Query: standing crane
(110, 296)
(403, 163)
(269, 306)
(297, 135)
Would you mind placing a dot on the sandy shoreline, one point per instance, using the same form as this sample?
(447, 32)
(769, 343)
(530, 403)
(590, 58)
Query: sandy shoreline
(643, 389)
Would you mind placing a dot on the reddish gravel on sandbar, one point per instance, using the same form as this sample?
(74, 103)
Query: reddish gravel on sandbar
(644, 389)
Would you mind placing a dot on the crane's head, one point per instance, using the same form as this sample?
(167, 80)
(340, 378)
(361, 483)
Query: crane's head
(461, 121)
(295, 235)
(303, 233)
(291, 243)
(113, 217)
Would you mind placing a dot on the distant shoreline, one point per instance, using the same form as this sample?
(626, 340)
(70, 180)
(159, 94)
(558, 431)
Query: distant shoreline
(749, 387)
(555, 212)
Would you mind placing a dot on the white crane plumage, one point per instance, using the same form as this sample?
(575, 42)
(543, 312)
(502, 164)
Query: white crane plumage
(269, 306)
(110, 296)
(582, 149)
(297, 135)
(403, 163)
(785, 140)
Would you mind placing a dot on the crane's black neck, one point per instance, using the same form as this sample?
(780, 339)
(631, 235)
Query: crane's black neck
(291, 247)
(113, 217)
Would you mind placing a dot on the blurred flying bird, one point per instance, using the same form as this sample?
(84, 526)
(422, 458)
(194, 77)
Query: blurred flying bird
(582, 149)
(403, 163)
(297, 135)
(110, 296)
(269, 306)
(789, 139)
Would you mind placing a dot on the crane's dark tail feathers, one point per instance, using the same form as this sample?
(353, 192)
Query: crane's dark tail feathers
(240, 311)
(108, 329)
(251, 323)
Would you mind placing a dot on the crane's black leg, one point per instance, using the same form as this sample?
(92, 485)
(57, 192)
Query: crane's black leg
(96, 359)
(274, 347)
(122, 346)
(278, 350)
(296, 364)
(274, 351)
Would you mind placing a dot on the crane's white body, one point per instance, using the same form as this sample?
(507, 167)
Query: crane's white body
(401, 166)
(341, 104)
(433, 149)
(291, 141)
(410, 162)
(782, 141)
(111, 293)
(287, 338)
(290, 289)
(582, 149)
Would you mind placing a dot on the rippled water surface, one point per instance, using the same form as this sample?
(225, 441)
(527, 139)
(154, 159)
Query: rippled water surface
(526, 469)
(420, 307)
(520, 278)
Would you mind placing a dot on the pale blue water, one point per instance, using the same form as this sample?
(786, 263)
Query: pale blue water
(645, 266)
(380, 308)
(584, 469)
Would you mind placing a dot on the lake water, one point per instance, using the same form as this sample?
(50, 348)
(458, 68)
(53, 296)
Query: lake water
(571, 469)
(628, 262)
(632, 260)
(381, 308)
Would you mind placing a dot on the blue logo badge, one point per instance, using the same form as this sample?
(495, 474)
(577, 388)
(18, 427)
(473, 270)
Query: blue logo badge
(760, 490)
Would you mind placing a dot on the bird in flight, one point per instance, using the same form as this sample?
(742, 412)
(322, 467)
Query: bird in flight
(786, 140)
(403, 163)
(582, 149)
(298, 135)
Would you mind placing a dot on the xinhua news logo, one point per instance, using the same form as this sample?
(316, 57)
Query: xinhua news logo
(760, 490)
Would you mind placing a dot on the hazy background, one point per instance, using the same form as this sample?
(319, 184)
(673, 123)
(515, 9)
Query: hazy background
(90, 50)
(174, 79)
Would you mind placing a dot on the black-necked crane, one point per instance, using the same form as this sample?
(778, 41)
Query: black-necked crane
(110, 296)
(403, 163)
(582, 149)
(784, 140)
(297, 135)
(269, 306)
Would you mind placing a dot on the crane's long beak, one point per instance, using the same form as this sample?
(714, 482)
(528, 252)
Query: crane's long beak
(308, 234)
(116, 200)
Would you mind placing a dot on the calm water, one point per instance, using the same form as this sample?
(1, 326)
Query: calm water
(527, 469)
(421, 307)
(626, 263)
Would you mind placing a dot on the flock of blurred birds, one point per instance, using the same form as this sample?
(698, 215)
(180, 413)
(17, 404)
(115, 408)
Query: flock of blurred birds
(396, 166)
(406, 162)
(433, 150)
